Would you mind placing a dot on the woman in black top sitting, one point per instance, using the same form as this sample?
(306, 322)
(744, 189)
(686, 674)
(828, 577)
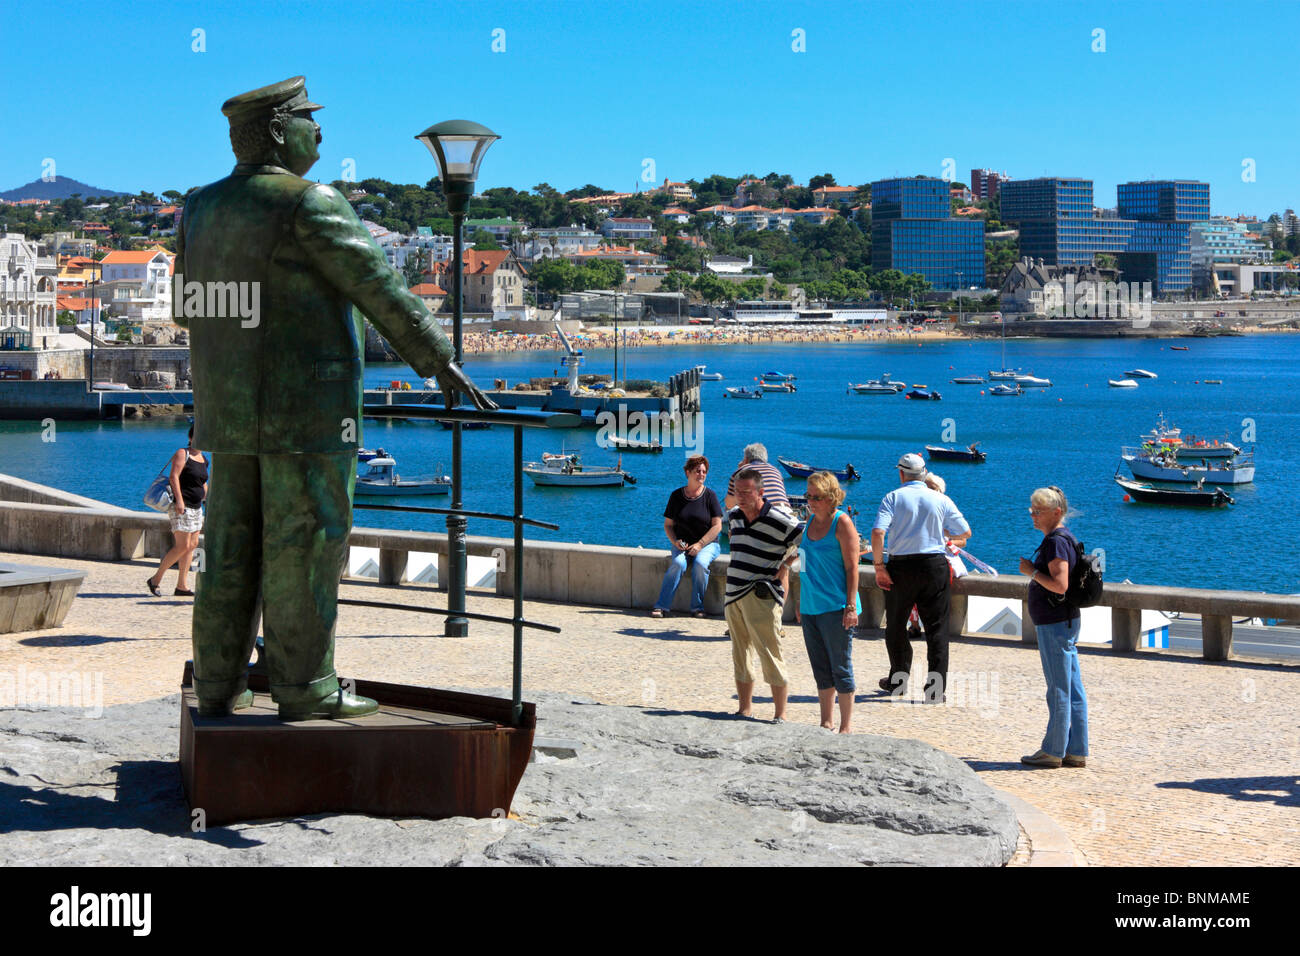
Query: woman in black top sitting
(692, 521)
(189, 486)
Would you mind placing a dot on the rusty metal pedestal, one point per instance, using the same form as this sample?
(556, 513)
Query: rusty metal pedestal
(427, 753)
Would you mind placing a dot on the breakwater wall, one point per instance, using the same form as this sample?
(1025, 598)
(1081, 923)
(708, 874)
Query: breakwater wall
(37, 519)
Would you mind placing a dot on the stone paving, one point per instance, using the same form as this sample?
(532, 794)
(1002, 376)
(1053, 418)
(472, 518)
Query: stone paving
(1192, 763)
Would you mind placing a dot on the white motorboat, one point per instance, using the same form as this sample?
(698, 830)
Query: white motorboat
(777, 386)
(708, 376)
(1122, 383)
(1032, 381)
(742, 392)
(968, 380)
(381, 479)
(566, 469)
(1141, 373)
(1004, 389)
(873, 388)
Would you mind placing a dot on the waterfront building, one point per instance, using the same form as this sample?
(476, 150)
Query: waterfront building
(138, 285)
(1148, 233)
(1222, 241)
(28, 296)
(984, 183)
(913, 231)
(729, 265)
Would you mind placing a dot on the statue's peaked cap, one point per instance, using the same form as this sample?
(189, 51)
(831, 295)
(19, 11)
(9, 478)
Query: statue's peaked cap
(290, 94)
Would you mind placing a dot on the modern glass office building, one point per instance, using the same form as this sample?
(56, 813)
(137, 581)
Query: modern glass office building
(1150, 239)
(912, 230)
(1165, 200)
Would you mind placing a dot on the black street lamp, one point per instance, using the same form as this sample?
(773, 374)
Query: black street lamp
(458, 146)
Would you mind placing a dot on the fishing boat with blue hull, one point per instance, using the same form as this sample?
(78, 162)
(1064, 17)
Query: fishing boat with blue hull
(778, 377)
(1238, 470)
(797, 469)
(922, 393)
(1198, 497)
(382, 480)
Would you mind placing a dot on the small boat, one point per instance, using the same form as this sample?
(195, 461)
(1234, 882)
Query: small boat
(708, 376)
(566, 469)
(1032, 381)
(873, 388)
(1142, 491)
(1212, 381)
(1237, 470)
(1005, 374)
(970, 453)
(366, 454)
(778, 377)
(1141, 373)
(777, 386)
(381, 479)
(742, 392)
(1003, 389)
(797, 469)
(631, 444)
(1192, 448)
(1122, 383)
(924, 394)
(1179, 348)
(969, 380)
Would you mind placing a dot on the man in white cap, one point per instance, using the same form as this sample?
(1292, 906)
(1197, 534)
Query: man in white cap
(916, 518)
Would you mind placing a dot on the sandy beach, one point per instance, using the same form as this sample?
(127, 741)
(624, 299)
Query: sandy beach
(477, 343)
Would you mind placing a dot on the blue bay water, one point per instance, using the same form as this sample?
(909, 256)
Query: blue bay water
(1069, 435)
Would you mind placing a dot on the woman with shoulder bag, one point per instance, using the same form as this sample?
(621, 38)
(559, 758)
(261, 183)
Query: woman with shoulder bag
(1057, 623)
(189, 487)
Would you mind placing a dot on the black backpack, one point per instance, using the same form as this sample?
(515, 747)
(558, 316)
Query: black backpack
(1084, 589)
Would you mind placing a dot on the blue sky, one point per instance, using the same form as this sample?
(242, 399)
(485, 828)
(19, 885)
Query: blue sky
(587, 92)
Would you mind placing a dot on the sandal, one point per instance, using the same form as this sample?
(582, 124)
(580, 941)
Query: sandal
(153, 588)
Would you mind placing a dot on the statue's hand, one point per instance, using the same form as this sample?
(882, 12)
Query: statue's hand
(453, 381)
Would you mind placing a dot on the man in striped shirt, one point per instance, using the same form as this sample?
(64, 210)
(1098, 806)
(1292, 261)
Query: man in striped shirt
(763, 541)
(755, 456)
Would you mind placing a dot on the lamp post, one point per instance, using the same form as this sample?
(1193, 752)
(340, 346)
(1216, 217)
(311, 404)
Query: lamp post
(458, 146)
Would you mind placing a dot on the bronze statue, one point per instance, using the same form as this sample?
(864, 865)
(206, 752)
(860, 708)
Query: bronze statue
(277, 400)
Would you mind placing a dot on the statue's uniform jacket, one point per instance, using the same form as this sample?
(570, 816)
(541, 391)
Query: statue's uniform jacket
(277, 400)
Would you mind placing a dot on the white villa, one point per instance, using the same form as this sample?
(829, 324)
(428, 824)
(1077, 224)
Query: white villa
(27, 295)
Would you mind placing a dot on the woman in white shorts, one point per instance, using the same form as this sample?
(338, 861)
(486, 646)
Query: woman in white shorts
(189, 486)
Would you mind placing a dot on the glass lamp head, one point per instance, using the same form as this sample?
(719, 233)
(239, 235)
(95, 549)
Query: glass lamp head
(458, 146)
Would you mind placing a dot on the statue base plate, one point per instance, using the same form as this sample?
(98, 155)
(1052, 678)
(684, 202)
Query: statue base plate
(426, 753)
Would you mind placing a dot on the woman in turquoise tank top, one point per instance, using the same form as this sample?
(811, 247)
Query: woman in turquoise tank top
(828, 596)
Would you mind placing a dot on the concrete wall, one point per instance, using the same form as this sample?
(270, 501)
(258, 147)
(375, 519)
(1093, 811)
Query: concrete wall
(66, 398)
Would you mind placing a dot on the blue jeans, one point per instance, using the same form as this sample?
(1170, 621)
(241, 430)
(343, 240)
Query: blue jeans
(699, 576)
(1067, 705)
(830, 650)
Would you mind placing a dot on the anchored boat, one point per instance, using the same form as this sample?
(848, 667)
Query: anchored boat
(797, 469)
(1238, 470)
(742, 392)
(566, 469)
(1199, 497)
(382, 479)
(970, 453)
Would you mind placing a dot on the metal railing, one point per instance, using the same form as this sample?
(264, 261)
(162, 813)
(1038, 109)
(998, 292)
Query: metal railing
(517, 421)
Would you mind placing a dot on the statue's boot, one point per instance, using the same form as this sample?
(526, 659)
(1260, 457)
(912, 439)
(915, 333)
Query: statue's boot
(335, 706)
(224, 708)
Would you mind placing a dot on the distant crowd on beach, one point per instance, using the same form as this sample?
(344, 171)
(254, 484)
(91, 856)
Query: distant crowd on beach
(482, 342)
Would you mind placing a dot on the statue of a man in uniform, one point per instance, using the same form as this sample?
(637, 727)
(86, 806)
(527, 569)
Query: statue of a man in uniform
(277, 399)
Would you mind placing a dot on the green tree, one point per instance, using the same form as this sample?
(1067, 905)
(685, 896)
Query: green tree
(778, 291)
(825, 179)
(710, 288)
(484, 241)
(753, 288)
(675, 281)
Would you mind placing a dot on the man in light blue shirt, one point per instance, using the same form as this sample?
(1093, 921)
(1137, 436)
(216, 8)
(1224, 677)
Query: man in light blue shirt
(916, 519)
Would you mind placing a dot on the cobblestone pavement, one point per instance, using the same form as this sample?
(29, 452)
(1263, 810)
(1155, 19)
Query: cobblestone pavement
(1192, 762)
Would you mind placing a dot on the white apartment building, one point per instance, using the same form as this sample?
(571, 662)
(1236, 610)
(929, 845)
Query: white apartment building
(137, 286)
(27, 296)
